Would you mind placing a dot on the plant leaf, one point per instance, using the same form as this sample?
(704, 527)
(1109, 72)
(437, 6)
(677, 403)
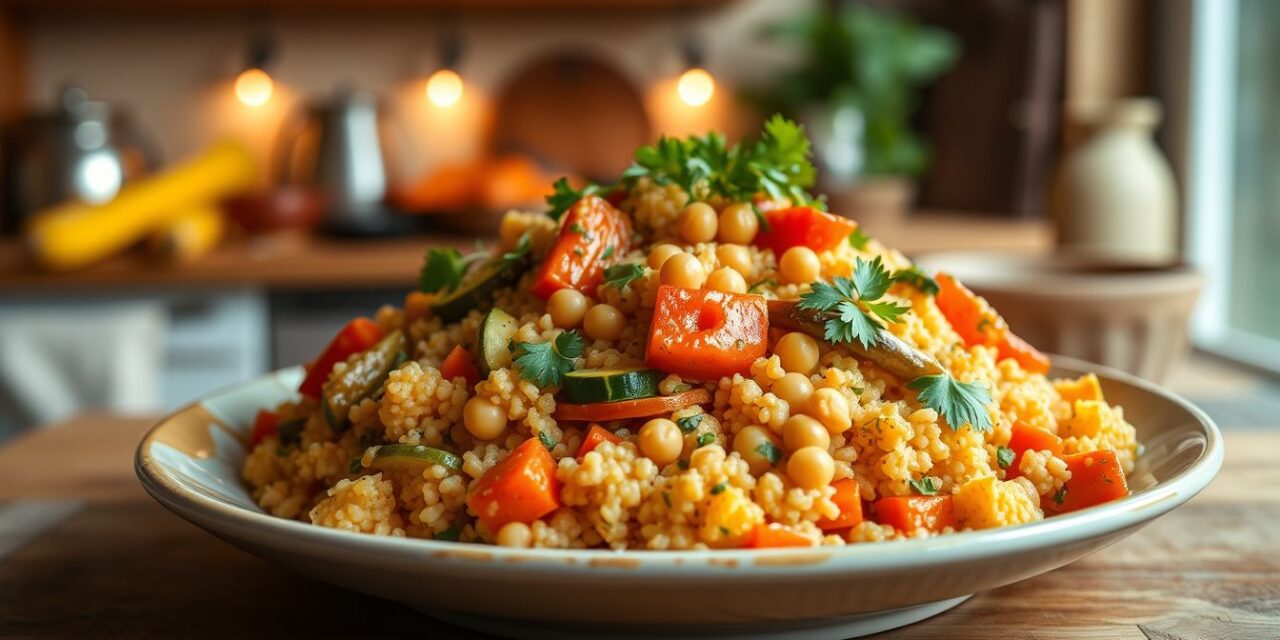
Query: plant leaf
(959, 403)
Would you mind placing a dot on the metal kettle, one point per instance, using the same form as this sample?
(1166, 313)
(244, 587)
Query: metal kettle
(83, 150)
(339, 147)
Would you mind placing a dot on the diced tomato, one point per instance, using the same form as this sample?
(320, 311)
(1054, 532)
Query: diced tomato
(702, 334)
(1031, 358)
(773, 536)
(595, 436)
(977, 323)
(1025, 437)
(1096, 477)
(522, 487)
(848, 498)
(357, 336)
(459, 363)
(264, 426)
(908, 513)
(578, 258)
(802, 226)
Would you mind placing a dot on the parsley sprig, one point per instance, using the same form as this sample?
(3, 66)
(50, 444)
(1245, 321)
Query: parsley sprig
(444, 270)
(564, 196)
(916, 277)
(546, 363)
(959, 403)
(620, 276)
(926, 486)
(859, 315)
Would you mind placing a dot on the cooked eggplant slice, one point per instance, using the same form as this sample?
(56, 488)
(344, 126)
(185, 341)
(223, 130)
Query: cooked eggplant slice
(362, 378)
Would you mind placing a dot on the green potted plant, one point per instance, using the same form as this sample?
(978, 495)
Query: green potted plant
(855, 90)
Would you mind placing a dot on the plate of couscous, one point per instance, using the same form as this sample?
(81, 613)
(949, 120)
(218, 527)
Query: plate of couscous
(690, 402)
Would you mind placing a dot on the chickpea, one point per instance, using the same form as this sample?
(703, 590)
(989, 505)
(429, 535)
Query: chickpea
(484, 420)
(801, 431)
(683, 270)
(750, 444)
(604, 322)
(795, 389)
(567, 307)
(738, 223)
(736, 257)
(515, 534)
(697, 223)
(510, 229)
(811, 468)
(659, 254)
(660, 440)
(830, 407)
(726, 280)
(797, 351)
(799, 265)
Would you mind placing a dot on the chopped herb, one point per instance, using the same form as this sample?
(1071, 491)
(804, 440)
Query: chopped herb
(666, 497)
(769, 451)
(546, 363)
(756, 287)
(960, 403)
(620, 276)
(1004, 457)
(290, 431)
(724, 531)
(983, 324)
(546, 440)
(577, 251)
(577, 228)
(859, 239)
(356, 466)
(689, 424)
(565, 196)
(916, 277)
(451, 534)
(608, 252)
(706, 439)
(926, 486)
(719, 488)
(682, 387)
(1060, 496)
(857, 315)
(857, 391)
(444, 269)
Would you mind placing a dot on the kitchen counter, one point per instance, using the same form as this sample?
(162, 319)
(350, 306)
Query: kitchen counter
(85, 552)
(290, 262)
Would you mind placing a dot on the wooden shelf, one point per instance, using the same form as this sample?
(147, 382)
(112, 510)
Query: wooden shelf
(450, 6)
(318, 263)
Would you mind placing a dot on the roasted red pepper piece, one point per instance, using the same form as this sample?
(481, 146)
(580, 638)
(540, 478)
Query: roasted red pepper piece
(978, 323)
(582, 251)
(459, 363)
(803, 226)
(596, 435)
(704, 335)
(357, 336)
(264, 426)
(1096, 477)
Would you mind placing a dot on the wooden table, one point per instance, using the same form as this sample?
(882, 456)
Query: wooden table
(85, 553)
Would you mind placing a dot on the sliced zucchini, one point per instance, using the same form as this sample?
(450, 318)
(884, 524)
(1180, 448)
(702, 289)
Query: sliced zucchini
(495, 340)
(361, 379)
(413, 456)
(589, 386)
(477, 292)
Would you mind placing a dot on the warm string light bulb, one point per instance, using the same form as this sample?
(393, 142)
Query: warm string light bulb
(696, 86)
(254, 87)
(444, 88)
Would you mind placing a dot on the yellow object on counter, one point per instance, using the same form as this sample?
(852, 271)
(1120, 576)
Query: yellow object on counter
(190, 236)
(73, 234)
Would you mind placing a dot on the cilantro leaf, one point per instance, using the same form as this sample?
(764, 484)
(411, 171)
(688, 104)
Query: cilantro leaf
(706, 439)
(1060, 496)
(719, 488)
(451, 534)
(689, 424)
(926, 486)
(444, 269)
(959, 403)
(888, 311)
(822, 297)
(854, 324)
(547, 363)
(1004, 457)
(769, 451)
(871, 279)
(546, 440)
(620, 276)
(916, 277)
(564, 196)
(859, 239)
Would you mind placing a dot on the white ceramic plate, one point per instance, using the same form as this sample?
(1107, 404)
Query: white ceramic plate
(190, 463)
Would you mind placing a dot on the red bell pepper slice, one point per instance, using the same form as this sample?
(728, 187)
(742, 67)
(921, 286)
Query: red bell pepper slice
(596, 435)
(1096, 477)
(705, 335)
(582, 251)
(978, 323)
(460, 364)
(264, 426)
(908, 513)
(803, 226)
(359, 335)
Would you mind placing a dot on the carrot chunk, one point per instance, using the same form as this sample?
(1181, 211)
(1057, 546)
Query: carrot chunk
(977, 323)
(802, 226)
(849, 499)
(459, 364)
(908, 513)
(357, 336)
(522, 487)
(773, 536)
(702, 334)
(593, 233)
(1026, 438)
(595, 436)
(624, 409)
(1096, 477)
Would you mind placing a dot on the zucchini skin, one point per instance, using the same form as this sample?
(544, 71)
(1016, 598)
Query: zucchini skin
(611, 385)
(478, 294)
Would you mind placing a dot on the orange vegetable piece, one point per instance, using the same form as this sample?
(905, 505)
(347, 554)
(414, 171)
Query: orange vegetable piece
(1025, 437)
(704, 335)
(1031, 358)
(577, 259)
(459, 363)
(802, 226)
(1096, 477)
(624, 409)
(908, 513)
(848, 497)
(357, 336)
(416, 305)
(264, 426)
(773, 536)
(978, 323)
(595, 436)
(522, 487)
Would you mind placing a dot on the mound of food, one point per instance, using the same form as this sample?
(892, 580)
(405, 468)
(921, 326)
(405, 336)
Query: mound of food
(697, 356)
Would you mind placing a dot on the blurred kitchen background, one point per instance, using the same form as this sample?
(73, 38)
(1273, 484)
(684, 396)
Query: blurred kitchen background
(196, 192)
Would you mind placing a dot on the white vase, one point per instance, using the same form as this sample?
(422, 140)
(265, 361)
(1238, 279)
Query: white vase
(1114, 194)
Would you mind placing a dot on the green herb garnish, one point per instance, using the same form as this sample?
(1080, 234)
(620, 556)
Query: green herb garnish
(1060, 496)
(444, 269)
(451, 534)
(620, 276)
(706, 439)
(608, 252)
(926, 486)
(859, 239)
(1004, 457)
(546, 363)
(565, 196)
(688, 424)
(719, 488)
(916, 277)
(960, 403)
(756, 287)
(682, 387)
(854, 301)
(355, 466)
(546, 440)
(769, 451)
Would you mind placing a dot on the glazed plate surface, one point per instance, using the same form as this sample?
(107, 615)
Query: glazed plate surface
(190, 463)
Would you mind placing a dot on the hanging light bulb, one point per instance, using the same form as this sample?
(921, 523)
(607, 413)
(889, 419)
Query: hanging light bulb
(445, 86)
(696, 86)
(254, 85)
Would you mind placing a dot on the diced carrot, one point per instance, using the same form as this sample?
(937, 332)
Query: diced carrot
(522, 487)
(459, 363)
(264, 426)
(703, 334)
(773, 536)
(1025, 437)
(592, 233)
(908, 513)
(977, 323)
(357, 336)
(595, 436)
(849, 499)
(417, 305)
(1031, 358)
(624, 409)
(802, 226)
(1096, 477)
